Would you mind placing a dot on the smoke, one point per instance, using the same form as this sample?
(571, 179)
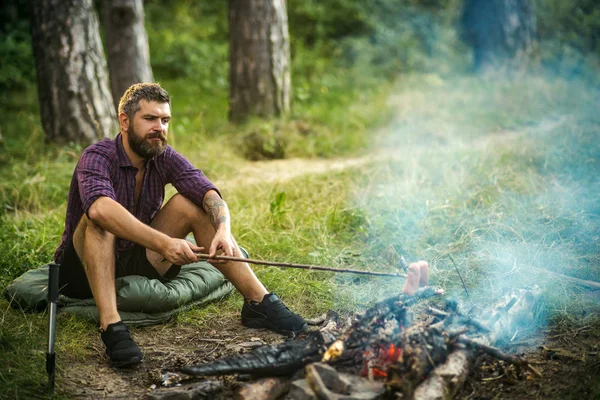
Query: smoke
(501, 174)
(501, 171)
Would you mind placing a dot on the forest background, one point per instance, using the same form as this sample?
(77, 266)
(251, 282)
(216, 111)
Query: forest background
(499, 169)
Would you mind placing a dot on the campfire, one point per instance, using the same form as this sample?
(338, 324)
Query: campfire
(402, 347)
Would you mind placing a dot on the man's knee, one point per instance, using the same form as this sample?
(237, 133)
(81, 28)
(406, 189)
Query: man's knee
(89, 230)
(185, 206)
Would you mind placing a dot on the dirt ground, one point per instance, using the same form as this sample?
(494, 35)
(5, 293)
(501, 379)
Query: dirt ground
(569, 359)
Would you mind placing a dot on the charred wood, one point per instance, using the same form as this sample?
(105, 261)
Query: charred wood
(459, 318)
(422, 349)
(361, 332)
(513, 310)
(279, 360)
(424, 360)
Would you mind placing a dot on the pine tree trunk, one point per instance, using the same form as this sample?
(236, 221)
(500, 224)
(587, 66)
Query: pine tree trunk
(75, 101)
(259, 73)
(499, 31)
(126, 45)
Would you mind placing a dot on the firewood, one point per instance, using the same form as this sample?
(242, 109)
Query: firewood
(511, 311)
(462, 319)
(499, 354)
(447, 378)
(422, 349)
(360, 333)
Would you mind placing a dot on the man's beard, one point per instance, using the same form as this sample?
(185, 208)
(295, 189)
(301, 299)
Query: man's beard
(146, 148)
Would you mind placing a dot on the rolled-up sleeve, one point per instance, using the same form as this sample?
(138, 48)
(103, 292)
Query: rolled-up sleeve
(93, 176)
(187, 179)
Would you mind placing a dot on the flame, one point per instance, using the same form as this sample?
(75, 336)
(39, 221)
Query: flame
(334, 351)
(378, 360)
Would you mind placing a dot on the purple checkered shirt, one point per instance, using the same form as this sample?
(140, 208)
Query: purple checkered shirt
(105, 170)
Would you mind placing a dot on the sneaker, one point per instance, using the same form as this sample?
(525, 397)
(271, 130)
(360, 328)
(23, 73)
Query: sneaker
(272, 314)
(120, 347)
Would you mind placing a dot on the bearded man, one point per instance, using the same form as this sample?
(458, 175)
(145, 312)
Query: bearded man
(116, 225)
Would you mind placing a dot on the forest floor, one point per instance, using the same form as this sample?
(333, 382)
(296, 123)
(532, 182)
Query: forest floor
(567, 354)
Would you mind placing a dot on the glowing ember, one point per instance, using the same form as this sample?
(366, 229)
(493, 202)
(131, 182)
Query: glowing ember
(376, 361)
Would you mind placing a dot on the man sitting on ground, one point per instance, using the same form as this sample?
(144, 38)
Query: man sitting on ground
(115, 225)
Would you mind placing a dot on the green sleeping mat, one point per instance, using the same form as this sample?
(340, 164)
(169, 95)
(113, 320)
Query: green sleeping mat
(141, 301)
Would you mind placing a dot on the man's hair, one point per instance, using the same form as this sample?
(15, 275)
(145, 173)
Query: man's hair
(130, 101)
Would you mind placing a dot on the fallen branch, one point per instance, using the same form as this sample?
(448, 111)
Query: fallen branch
(499, 354)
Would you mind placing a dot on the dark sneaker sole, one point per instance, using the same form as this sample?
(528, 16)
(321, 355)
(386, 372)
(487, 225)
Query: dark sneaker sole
(128, 363)
(264, 324)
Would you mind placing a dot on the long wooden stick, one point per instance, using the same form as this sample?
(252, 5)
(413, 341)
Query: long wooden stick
(583, 282)
(303, 266)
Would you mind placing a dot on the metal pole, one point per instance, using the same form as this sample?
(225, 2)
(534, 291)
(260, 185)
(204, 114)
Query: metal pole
(52, 304)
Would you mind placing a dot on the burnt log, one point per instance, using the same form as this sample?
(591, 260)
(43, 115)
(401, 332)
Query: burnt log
(280, 360)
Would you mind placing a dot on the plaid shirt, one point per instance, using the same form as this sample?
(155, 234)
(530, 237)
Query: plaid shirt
(105, 170)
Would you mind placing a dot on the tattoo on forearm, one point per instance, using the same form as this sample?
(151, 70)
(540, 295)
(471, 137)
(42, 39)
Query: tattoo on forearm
(217, 210)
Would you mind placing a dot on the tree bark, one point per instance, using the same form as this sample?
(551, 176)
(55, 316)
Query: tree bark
(259, 72)
(126, 45)
(75, 102)
(498, 30)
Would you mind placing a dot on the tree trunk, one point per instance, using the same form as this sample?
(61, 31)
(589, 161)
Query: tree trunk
(259, 74)
(126, 45)
(498, 30)
(75, 101)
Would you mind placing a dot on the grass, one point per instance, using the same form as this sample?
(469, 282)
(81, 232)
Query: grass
(502, 175)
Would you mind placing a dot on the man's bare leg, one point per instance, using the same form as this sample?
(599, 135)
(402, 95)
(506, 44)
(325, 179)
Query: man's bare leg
(96, 250)
(177, 219)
